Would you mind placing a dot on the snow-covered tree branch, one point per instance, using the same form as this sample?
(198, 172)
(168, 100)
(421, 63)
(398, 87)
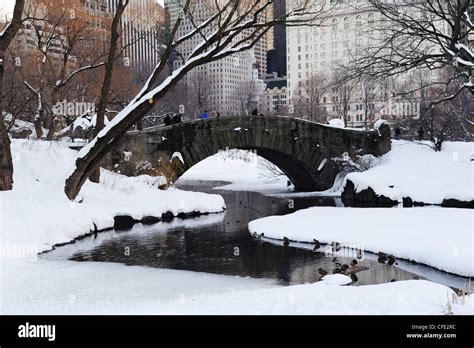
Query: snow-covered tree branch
(235, 26)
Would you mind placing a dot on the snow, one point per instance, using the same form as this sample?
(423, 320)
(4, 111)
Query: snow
(84, 122)
(336, 122)
(35, 285)
(416, 171)
(379, 123)
(37, 212)
(241, 168)
(178, 155)
(19, 125)
(336, 279)
(439, 237)
(50, 287)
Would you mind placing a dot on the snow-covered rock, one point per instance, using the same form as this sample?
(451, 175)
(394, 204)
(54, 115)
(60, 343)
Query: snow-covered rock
(336, 279)
(414, 170)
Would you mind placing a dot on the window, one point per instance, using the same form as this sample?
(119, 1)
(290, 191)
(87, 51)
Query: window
(347, 23)
(358, 22)
(334, 25)
(370, 20)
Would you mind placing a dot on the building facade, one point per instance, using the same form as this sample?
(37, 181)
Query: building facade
(318, 52)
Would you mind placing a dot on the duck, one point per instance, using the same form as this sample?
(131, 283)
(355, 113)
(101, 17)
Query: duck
(382, 257)
(391, 259)
(286, 241)
(322, 272)
(316, 243)
(344, 267)
(360, 255)
(354, 278)
(354, 263)
(336, 270)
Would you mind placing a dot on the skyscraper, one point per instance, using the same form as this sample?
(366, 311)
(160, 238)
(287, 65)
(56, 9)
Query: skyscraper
(233, 82)
(276, 56)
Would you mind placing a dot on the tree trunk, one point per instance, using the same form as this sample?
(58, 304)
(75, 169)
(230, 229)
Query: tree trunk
(109, 70)
(6, 164)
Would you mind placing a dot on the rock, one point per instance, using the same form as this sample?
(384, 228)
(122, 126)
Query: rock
(149, 220)
(123, 222)
(366, 198)
(167, 216)
(454, 203)
(407, 202)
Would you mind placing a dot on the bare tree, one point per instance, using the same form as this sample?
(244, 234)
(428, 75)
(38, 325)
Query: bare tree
(6, 37)
(429, 35)
(66, 46)
(233, 26)
(342, 99)
(368, 93)
(309, 101)
(199, 90)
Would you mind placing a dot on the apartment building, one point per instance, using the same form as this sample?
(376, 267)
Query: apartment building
(319, 51)
(276, 101)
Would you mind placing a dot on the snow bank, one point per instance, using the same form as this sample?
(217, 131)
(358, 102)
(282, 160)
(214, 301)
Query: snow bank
(37, 212)
(404, 297)
(439, 237)
(416, 171)
(51, 287)
(244, 169)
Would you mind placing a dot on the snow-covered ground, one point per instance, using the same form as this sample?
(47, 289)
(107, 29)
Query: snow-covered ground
(414, 170)
(66, 287)
(439, 237)
(37, 212)
(244, 170)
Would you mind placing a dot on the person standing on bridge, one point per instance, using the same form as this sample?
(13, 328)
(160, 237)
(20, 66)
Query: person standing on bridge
(176, 119)
(204, 115)
(167, 120)
(71, 131)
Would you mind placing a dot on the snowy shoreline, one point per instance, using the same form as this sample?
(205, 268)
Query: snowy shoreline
(37, 213)
(418, 234)
(414, 174)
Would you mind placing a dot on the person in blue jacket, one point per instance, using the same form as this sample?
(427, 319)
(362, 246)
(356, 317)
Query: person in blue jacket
(204, 115)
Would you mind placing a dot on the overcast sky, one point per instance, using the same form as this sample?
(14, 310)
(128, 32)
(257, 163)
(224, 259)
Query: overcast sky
(6, 7)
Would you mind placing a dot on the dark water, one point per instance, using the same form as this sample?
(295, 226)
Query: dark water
(221, 244)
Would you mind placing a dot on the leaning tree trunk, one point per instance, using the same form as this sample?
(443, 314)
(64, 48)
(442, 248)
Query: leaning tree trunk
(103, 145)
(106, 85)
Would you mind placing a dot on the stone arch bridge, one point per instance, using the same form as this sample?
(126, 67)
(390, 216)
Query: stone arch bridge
(303, 150)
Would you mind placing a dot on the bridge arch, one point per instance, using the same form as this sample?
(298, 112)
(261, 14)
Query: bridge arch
(303, 150)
